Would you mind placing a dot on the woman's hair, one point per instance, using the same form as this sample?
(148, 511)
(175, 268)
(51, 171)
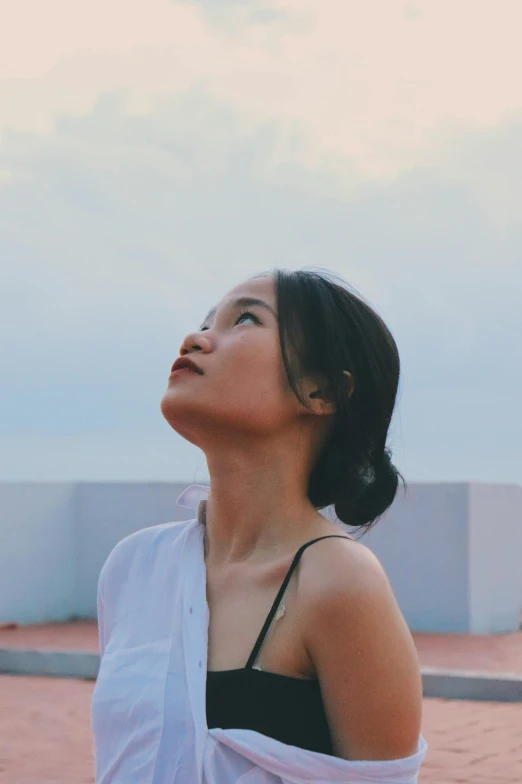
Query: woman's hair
(325, 327)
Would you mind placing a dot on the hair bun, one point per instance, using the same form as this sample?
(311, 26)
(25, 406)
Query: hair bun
(367, 497)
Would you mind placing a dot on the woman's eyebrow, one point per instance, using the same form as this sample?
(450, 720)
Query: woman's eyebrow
(242, 302)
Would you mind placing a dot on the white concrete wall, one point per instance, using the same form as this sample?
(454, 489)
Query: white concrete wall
(37, 563)
(422, 542)
(495, 557)
(452, 550)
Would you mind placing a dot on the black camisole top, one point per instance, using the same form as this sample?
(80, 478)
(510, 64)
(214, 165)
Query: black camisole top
(279, 706)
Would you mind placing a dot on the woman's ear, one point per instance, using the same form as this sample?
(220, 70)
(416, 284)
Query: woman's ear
(350, 382)
(317, 392)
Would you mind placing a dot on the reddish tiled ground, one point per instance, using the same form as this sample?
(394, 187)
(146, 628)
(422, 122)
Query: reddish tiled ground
(45, 736)
(472, 742)
(487, 652)
(492, 653)
(76, 636)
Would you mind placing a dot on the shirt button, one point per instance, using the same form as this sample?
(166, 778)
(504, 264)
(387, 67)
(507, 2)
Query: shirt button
(200, 665)
(190, 610)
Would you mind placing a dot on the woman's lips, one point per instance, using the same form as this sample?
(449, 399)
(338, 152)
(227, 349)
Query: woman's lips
(183, 370)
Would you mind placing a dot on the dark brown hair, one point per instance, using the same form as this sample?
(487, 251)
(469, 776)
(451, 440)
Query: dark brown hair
(325, 327)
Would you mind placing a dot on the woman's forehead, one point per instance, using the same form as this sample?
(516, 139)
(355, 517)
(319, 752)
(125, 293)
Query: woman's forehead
(260, 292)
(256, 287)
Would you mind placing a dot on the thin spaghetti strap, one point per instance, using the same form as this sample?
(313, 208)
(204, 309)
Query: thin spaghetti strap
(277, 600)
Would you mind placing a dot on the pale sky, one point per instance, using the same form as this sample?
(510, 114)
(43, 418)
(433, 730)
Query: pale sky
(152, 155)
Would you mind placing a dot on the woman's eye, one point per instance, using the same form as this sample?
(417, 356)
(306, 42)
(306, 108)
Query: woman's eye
(247, 314)
(243, 315)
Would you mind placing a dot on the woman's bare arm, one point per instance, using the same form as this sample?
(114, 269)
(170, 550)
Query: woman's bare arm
(363, 653)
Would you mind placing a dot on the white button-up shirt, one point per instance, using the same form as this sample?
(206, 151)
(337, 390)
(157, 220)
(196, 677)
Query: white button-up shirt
(148, 708)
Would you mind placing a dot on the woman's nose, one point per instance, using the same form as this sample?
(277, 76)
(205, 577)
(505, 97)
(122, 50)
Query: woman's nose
(194, 342)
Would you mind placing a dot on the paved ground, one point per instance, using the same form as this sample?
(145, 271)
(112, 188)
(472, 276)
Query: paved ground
(489, 653)
(45, 735)
(80, 636)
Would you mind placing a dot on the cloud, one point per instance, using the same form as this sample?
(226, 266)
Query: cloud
(412, 11)
(364, 81)
(252, 10)
(234, 16)
(120, 230)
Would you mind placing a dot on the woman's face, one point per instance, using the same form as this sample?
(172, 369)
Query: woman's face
(243, 386)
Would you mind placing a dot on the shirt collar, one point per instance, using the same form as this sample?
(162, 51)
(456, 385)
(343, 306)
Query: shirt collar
(195, 497)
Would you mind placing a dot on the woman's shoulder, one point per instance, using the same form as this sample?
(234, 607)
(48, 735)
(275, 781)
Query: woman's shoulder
(338, 565)
(362, 651)
(343, 580)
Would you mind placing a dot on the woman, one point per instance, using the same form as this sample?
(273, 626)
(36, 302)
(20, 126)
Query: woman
(311, 674)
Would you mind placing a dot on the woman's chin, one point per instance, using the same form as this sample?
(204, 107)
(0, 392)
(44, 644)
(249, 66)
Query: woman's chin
(185, 420)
